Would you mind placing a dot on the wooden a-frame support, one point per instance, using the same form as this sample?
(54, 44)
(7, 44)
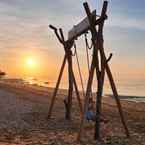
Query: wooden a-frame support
(97, 40)
(99, 66)
(72, 82)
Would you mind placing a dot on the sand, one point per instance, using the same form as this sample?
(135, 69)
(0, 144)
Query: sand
(23, 119)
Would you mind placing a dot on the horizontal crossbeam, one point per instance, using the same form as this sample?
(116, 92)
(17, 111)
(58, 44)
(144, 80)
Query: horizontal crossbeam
(83, 27)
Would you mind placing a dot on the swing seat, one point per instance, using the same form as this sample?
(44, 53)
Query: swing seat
(90, 116)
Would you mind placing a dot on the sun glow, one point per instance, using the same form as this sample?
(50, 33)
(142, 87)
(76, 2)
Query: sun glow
(30, 62)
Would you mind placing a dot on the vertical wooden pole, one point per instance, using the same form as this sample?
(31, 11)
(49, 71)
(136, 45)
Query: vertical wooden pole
(100, 42)
(68, 56)
(56, 88)
(70, 92)
(99, 105)
(97, 43)
(67, 48)
(95, 63)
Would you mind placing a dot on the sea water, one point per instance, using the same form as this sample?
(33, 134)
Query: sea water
(130, 89)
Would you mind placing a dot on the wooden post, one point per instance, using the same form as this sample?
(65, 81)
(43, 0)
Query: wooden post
(70, 91)
(56, 88)
(94, 65)
(97, 43)
(102, 74)
(72, 80)
(68, 56)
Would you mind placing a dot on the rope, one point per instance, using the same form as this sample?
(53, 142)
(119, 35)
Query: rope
(79, 69)
(87, 53)
(87, 44)
(88, 62)
(74, 53)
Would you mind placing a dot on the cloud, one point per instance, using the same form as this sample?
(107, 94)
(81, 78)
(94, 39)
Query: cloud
(126, 22)
(11, 2)
(29, 19)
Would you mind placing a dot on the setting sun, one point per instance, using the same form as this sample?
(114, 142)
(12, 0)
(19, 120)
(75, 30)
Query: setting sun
(59, 83)
(30, 62)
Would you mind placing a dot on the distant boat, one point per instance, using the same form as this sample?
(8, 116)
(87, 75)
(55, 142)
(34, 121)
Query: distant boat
(35, 79)
(46, 83)
(2, 73)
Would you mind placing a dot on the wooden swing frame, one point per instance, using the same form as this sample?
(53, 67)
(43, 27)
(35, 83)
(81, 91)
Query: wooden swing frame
(98, 49)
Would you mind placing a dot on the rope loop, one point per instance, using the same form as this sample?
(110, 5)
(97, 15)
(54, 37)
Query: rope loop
(79, 69)
(74, 53)
(86, 40)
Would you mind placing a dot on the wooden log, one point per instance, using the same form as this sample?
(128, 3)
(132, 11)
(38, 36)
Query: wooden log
(70, 75)
(94, 64)
(56, 33)
(70, 91)
(57, 87)
(102, 74)
(68, 56)
(96, 23)
(80, 28)
(98, 44)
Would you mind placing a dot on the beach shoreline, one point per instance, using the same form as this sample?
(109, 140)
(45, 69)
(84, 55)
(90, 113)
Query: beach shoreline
(24, 110)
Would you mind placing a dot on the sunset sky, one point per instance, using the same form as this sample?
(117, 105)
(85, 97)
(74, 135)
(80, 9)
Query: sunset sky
(24, 35)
